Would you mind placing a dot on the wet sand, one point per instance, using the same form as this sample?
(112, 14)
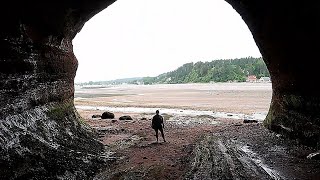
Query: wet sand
(199, 146)
(244, 98)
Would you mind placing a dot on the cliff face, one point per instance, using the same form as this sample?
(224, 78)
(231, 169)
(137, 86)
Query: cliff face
(41, 134)
(287, 37)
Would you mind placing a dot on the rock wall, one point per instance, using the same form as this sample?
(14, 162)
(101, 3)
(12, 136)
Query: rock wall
(41, 134)
(287, 37)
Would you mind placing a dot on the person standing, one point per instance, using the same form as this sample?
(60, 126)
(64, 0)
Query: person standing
(158, 125)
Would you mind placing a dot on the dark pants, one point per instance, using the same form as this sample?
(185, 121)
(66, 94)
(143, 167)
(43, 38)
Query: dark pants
(161, 131)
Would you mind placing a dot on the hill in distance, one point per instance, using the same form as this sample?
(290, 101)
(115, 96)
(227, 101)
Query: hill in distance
(221, 70)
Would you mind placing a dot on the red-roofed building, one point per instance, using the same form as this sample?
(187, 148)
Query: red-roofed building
(252, 78)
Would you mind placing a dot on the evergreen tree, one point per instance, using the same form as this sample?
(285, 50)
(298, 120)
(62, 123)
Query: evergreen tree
(222, 70)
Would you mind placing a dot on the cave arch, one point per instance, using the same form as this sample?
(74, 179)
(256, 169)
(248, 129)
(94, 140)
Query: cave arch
(37, 69)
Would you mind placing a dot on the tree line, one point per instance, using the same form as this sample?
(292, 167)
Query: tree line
(222, 70)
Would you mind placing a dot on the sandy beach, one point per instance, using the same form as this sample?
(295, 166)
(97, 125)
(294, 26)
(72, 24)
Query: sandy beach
(245, 98)
(206, 135)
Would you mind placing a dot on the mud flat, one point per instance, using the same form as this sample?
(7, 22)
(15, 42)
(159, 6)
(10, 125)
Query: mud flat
(206, 135)
(245, 98)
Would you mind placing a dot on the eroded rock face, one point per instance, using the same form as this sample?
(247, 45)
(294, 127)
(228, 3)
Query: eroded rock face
(287, 37)
(41, 134)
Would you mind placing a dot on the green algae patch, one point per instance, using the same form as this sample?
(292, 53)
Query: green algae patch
(61, 111)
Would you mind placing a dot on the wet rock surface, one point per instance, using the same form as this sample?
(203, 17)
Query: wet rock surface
(250, 152)
(212, 148)
(49, 143)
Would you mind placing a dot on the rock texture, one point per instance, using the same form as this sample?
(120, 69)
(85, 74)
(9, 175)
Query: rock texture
(41, 134)
(287, 37)
(250, 152)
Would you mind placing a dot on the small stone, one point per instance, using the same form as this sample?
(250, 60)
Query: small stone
(250, 121)
(96, 116)
(125, 118)
(315, 155)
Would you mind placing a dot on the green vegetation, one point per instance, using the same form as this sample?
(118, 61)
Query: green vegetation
(66, 111)
(60, 112)
(216, 71)
(221, 70)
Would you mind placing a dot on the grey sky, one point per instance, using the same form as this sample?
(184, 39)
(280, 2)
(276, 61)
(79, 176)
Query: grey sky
(135, 38)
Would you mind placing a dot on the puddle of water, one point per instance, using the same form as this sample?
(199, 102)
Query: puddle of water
(257, 116)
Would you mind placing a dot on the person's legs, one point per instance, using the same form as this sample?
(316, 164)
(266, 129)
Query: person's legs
(162, 134)
(156, 133)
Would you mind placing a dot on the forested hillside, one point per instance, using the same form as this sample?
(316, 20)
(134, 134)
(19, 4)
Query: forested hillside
(217, 71)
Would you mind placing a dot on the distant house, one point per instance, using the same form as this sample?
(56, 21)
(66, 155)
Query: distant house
(251, 78)
(264, 79)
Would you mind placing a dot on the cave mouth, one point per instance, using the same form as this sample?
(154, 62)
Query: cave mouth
(129, 39)
(40, 126)
(112, 38)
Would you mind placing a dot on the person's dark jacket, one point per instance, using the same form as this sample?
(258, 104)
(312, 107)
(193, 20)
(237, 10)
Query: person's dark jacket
(157, 122)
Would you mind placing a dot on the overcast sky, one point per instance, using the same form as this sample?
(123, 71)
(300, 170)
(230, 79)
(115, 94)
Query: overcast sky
(137, 38)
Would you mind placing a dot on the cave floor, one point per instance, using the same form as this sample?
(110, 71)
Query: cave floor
(203, 149)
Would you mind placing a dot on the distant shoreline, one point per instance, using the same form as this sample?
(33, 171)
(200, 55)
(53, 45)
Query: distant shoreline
(176, 111)
(246, 98)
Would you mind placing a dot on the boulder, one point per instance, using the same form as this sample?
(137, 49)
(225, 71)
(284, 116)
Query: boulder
(125, 118)
(107, 115)
(96, 116)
